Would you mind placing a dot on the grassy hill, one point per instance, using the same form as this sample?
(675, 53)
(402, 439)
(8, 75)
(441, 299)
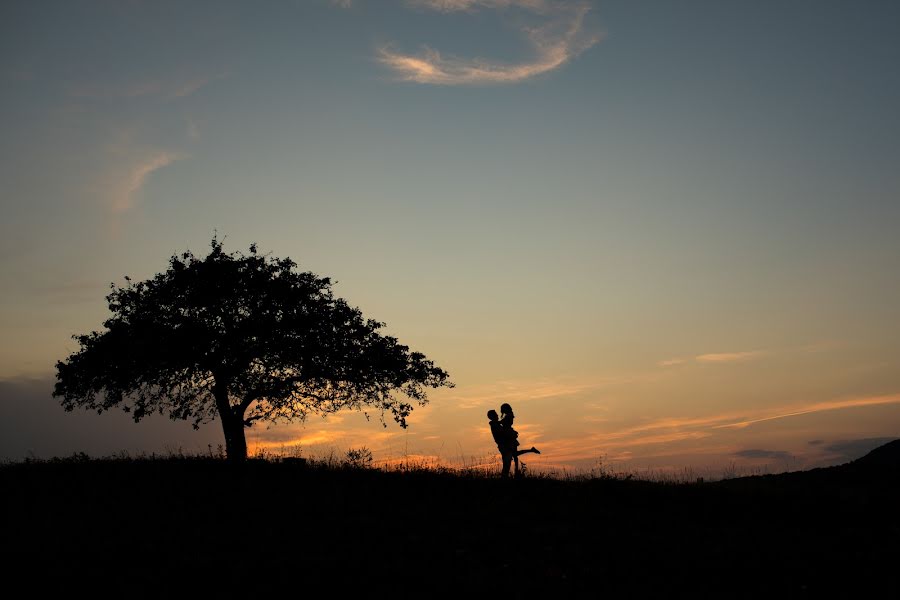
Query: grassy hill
(203, 526)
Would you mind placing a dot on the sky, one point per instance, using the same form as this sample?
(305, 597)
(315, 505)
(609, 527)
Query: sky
(666, 233)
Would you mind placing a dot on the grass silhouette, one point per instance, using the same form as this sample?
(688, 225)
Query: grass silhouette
(179, 524)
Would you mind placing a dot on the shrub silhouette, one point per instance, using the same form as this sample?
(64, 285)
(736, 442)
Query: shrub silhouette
(243, 337)
(359, 457)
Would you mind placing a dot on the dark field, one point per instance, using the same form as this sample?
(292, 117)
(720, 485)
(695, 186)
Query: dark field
(175, 527)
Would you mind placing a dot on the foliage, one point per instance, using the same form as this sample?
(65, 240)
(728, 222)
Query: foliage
(243, 337)
(359, 457)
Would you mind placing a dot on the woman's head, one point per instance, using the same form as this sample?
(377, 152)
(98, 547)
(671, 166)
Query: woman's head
(506, 409)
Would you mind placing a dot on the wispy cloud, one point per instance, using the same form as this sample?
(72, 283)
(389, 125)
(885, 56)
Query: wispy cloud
(736, 420)
(561, 38)
(748, 355)
(668, 430)
(672, 362)
(469, 5)
(190, 86)
(723, 357)
(167, 89)
(671, 436)
(521, 391)
(495, 393)
(337, 436)
(126, 164)
(126, 191)
(759, 453)
(193, 129)
(714, 358)
(847, 450)
(815, 408)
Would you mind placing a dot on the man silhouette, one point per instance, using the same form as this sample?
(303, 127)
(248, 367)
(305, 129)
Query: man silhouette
(505, 436)
(501, 437)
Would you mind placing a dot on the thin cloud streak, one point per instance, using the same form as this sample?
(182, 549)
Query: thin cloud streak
(722, 357)
(672, 423)
(322, 439)
(740, 420)
(554, 44)
(714, 358)
(168, 90)
(519, 391)
(190, 87)
(762, 454)
(470, 5)
(818, 407)
(388, 445)
(539, 389)
(662, 438)
(193, 129)
(747, 355)
(672, 362)
(125, 197)
(681, 429)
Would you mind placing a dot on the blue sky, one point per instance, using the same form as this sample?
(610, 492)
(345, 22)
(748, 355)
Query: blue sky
(539, 195)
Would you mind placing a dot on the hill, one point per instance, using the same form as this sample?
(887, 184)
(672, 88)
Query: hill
(181, 526)
(884, 458)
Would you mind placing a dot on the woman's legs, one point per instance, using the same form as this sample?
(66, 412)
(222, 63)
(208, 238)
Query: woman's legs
(521, 452)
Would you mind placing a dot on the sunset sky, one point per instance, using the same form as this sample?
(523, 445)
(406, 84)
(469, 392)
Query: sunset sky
(668, 233)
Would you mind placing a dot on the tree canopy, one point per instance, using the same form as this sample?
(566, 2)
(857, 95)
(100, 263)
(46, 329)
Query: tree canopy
(243, 337)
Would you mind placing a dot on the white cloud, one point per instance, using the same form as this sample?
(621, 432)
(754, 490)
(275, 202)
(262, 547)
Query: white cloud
(559, 40)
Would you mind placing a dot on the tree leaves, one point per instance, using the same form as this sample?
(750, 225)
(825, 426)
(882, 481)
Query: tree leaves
(274, 340)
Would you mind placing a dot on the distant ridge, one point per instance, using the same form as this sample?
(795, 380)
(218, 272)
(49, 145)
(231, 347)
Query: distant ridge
(879, 468)
(882, 457)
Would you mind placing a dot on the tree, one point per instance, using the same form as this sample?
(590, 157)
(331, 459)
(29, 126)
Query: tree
(243, 337)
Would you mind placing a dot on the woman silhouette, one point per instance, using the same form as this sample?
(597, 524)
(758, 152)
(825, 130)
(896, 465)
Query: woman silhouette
(506, 423)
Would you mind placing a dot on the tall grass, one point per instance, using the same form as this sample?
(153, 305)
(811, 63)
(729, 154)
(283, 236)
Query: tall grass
(472, 466)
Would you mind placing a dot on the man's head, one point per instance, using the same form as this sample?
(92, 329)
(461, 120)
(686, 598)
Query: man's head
(492, 415)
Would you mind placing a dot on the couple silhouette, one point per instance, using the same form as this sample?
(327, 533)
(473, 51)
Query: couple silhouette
(507, 438)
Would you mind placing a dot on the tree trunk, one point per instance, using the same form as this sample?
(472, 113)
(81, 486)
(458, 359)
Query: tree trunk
(235, 441)
(232, 424)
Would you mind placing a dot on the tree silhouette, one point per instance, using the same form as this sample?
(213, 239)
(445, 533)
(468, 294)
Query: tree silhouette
(245, 337)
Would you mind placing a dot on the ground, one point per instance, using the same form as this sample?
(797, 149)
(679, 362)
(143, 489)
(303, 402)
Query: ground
(181, 526)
